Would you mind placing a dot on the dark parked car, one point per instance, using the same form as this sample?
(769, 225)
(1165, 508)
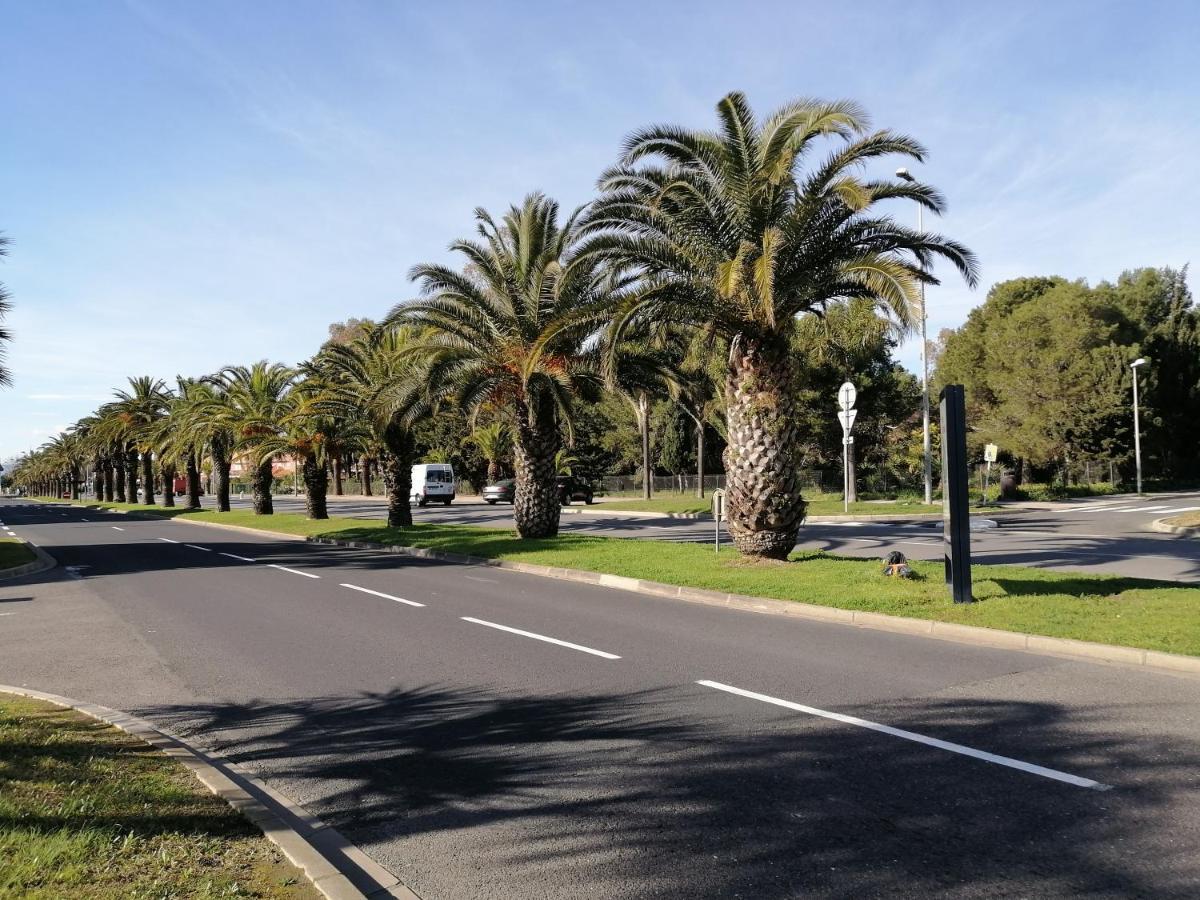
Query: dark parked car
(572, 488)
(502, 491)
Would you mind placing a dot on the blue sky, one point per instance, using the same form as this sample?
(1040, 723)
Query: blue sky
(189, 185)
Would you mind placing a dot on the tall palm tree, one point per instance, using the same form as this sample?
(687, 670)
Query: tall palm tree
(5, 334)
(301, 436)
(511, 330)
(254, 403)
(204, 425)
(141, 407)
(494, 442)
(739, 231)
(377, 389)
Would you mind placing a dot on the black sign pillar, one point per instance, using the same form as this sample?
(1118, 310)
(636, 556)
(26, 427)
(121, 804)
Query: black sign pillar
(956, 514)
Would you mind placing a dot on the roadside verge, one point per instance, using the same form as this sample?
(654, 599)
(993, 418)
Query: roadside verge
(338, 869)
(1165, 526)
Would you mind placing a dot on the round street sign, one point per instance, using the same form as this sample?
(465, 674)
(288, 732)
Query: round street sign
(847, 395)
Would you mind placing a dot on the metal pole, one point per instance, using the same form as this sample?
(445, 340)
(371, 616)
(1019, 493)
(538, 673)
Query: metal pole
(1137, 433)
(846, 473)
(926, 443)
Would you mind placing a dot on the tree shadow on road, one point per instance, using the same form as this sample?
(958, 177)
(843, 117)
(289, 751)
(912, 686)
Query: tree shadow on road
(608, 794)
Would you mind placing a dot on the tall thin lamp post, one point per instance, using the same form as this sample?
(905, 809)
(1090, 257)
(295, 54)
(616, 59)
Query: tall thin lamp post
(1137, 430)
(926, 443)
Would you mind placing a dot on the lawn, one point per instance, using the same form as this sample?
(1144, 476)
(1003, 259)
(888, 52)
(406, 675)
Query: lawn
(14, 553)
(88, 811)
(1156, 615)
(1188, 520)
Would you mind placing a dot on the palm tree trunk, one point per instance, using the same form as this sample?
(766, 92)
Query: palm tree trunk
(220, 464)
(168, 485)
(396, 465)
(261, 487)
(316, 485)
(700, 458)
(75, 484)
(131, 475)
(535, 506)
(765, 506)
(193, 481)
(493, 471)
(337, 474)
(110, 472)
(148, 478)
(98, 470)
(364, 475)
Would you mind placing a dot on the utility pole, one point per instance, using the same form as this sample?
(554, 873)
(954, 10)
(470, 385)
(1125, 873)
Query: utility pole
(926, 443)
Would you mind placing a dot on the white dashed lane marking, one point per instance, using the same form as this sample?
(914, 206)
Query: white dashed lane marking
(198, 547)
(292, 571)
(1053, 774)
(241, 558)
(541, 637)
(355, 587)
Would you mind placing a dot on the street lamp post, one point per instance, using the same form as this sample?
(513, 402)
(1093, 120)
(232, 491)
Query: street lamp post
(1137, 430)
(926, 443)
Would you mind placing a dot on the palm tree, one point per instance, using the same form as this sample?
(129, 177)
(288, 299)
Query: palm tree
(5, 334)
(141, 407)
(376, 389)
(205, 426)
(731, 233)
(510, 330)
(301, 436)
(254, 403)
(494, 442)
(180, 439)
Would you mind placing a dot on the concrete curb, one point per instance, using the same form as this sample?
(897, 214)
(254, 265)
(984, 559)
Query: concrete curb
(947, 631)
(1167, 528)
(337, 868)
(43, 562)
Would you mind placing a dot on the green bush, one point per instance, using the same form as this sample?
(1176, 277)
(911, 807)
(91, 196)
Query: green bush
(1045, 492)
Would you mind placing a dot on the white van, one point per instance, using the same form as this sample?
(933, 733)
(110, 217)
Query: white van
(432, 481)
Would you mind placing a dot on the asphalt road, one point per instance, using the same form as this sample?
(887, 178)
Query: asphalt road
(1109, 534)
(649, 748)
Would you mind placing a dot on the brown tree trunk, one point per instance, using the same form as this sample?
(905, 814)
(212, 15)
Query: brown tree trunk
(316, 486)
(98, 478)
(193, 482)
(168, 485)
(337, 474)
(261, 488)
(109, 472)
(221, 463)
(397, 475)
(493, 471)
(765, 506)
(131, 475)
(364, 475)
(536, 507)
(643, 420)
(148, 478)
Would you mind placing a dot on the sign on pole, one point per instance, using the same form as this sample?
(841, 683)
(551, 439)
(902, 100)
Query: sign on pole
(990, 453)
(846, 415)
(718, 511)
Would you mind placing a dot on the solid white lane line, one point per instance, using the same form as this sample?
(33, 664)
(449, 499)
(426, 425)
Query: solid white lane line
(116, 527)
(292, 571)
(542, 637)
(168, 540)
(198, 547)
(242, 558)
(1011, 763)
(355, 587)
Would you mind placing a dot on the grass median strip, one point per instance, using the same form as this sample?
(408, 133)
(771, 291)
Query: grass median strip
(88, 811)
(1187, 520)
(1133, 612)
(14, 552)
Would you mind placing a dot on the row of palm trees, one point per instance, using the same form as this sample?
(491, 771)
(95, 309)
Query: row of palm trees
(698, 256)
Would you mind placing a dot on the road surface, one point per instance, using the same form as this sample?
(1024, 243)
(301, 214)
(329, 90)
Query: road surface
(484, 733)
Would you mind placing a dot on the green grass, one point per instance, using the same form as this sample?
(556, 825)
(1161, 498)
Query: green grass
(14, 553)
(1156, 615)
(88, 811)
